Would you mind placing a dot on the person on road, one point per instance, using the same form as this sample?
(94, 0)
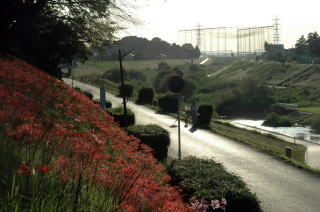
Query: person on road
(194, 113)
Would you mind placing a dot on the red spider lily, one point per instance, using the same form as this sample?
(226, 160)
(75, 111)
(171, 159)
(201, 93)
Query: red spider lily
(24, 169)
(82, 139)
(43, 169)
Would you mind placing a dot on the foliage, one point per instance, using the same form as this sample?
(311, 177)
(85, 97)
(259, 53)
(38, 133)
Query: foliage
(163, 66)
(136, 75)
(47, 32)
(168, 103)
(114, 75)
(207, 179)
(156, 137)
(61, 152)
(126, 90)
(205, 115)
(118, 115)
(161, 80)
(88, 94)
(249, 96)
(188, 89)
(145, 95)
(108, 103)
(274, 52)
(278, 109)
(275, 120)
(152, 49)
(314, 122)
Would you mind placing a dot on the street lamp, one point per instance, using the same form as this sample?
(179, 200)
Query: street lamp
(122, 83)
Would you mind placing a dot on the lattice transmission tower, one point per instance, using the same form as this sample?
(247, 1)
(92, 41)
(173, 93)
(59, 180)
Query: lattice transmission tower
(276, 30)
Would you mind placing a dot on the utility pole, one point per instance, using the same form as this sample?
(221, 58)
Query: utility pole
(122, 84)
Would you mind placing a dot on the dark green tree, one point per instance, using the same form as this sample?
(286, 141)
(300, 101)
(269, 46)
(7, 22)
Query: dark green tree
(313, 42)
(301, 47)
(44, 32)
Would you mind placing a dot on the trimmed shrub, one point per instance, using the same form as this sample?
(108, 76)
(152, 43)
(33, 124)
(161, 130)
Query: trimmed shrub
(154, 136)
(137, 75)
(126, 90)
(275, 120)
(88, 94)
(207, 179)
(108, 103)
(205, 115)
(118, 116)
(145, 95)
(168, 104)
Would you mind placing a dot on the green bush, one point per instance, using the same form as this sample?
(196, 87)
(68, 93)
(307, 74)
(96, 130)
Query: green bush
(314, 122)
(278, 109)
(118, 115)
(207, 179)
(88, 94)
(137, 75)
(168, 104)
(275, 120)
(108, 103)
(205, 115)
(113, 75)
(126, 90)
(145, 95)
(154, 136)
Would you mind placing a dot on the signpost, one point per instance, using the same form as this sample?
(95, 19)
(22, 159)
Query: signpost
(176, 84)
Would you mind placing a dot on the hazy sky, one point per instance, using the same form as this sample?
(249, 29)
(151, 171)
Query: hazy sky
(163, 18)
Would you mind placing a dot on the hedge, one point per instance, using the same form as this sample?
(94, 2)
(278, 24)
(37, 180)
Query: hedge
(145, 95)
(108, 103)
(88, 94)
(118, 115)
(205, 115)
(168, 103)
(154, 136)
(207, 179)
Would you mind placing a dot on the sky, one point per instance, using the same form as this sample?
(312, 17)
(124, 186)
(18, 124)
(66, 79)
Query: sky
(163, 18)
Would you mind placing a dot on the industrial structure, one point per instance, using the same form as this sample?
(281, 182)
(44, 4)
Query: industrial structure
(231, 41)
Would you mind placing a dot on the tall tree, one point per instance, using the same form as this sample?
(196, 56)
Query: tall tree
(301, 46)
(61, 29)
(313, 42)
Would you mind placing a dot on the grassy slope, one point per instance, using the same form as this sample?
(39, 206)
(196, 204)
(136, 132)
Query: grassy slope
(274, 73)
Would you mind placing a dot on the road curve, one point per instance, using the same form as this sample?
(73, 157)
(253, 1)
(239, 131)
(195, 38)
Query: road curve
(279, 186)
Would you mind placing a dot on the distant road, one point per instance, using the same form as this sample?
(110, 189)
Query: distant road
(279, 186)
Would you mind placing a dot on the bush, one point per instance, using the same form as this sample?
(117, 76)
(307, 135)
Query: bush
(154, 136)
(108, 103)
(314, 122)
(88, 94)
(168, 104)
(118, 115)
(113, 75)
(205, 115)
(137, 75)
(126, 90)
(278, 109)
(207, 179)
(145, 95)
(275, 120)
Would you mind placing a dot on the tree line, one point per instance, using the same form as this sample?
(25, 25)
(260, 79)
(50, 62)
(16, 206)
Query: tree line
(306, 50)
(148, 49)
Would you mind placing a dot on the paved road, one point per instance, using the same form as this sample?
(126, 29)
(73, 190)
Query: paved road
(279, 186)
(312, 156)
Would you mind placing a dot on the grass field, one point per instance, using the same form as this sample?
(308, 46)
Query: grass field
(99, 67)
(315, 110)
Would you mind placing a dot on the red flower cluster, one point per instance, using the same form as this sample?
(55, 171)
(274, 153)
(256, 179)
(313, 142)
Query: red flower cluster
(79, 140)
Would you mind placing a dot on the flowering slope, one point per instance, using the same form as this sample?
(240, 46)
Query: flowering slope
(64, 152)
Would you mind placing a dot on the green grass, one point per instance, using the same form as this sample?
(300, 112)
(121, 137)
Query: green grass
(315, 110)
